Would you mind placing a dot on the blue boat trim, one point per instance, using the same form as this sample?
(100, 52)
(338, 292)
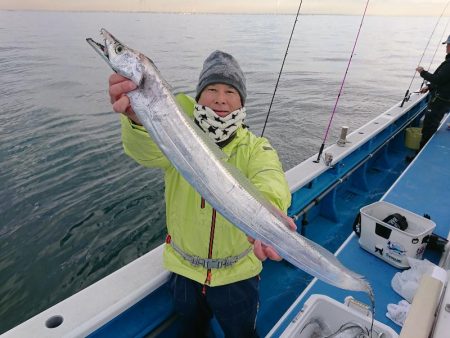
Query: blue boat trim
(423, 189)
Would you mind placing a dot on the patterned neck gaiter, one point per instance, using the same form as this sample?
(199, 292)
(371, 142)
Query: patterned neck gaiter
(219, 129)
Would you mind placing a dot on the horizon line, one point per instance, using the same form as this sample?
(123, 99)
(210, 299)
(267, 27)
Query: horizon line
(200, 12)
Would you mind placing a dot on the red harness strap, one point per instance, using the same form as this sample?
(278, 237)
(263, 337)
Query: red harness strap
(211, 243)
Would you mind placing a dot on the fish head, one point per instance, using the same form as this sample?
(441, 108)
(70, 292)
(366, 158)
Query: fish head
(122, 59)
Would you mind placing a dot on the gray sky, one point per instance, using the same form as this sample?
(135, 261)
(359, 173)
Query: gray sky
(376, 7)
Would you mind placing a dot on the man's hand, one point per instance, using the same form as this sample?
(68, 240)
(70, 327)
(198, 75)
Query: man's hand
(119, 86)
(263, 251)
(419, 69)
(424, 89)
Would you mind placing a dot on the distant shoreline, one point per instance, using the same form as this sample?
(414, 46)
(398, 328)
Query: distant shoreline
(198, 13)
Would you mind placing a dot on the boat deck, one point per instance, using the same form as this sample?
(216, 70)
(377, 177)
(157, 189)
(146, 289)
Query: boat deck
(141, 306)
(424, 188)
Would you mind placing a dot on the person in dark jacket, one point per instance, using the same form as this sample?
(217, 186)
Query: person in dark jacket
(439, 87)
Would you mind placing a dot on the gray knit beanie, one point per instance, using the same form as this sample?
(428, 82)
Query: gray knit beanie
(221, 67)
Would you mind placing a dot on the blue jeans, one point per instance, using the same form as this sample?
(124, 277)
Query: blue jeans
(234, 305)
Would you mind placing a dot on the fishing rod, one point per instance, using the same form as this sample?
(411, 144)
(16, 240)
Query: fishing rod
(342, 85)
(435, 51)
(406, 98)
(282, 65)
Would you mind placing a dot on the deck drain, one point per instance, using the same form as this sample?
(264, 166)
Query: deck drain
(54, 321)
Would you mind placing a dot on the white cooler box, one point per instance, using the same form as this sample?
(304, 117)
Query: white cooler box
(321, 316)
(388, 242)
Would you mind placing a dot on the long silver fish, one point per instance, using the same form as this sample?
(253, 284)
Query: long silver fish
(205, 167)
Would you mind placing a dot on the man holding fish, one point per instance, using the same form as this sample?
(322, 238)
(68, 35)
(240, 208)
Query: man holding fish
(215, 266)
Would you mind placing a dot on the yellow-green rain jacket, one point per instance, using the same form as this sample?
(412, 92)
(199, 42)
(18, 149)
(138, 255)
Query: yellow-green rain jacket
(190, 222)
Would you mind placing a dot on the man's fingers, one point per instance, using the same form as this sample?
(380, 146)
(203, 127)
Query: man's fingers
(132, 115)
(119, 86)
(290, 221)
(271, 253)
(116, 78)
(292, 224)
(262, 252)
(121, 105)
(258, 250)
(117, 90)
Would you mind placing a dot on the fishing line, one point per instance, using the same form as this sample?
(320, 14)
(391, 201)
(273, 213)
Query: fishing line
(342, 86)
(435, 51)
(282, 65)
(439, 43)
(406, 98)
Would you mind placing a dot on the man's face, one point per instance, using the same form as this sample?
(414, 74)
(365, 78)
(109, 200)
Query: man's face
(222, 98)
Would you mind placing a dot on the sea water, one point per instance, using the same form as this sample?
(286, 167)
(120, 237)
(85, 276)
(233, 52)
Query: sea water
(74, 208)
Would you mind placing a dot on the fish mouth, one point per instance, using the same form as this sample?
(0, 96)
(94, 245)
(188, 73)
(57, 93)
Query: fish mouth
(98, 47)
(102, 50)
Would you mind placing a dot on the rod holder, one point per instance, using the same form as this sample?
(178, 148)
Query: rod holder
(343, 138)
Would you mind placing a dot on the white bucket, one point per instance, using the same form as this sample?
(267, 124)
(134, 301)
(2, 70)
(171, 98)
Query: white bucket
(388, 242)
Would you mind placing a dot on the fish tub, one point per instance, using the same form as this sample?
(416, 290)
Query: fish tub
(322, 316)
(388, 242)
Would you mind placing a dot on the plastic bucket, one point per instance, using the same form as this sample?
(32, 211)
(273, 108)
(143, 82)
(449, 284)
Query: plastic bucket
(388, 242)
(413, 136)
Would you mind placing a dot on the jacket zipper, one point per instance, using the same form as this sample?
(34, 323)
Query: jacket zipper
(211, 243)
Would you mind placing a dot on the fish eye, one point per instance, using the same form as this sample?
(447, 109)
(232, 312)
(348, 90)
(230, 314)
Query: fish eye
(119, 49)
